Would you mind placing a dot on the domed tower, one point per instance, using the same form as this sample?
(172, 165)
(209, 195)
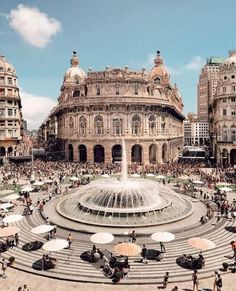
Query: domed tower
(10, 110)
(159, 74)
(224, 112)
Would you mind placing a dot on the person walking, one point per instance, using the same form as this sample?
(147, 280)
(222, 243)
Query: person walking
(163, 249)
(144, 254)
(195, 280)
(17, 239)
(69, 239)
(219, 283)
(215, 280)
(165, 280)
(175, 288)
(4, 268)
(133, 236)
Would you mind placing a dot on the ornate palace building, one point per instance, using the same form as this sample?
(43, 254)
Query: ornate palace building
(10, 110)
(96, 110)
(223, 120)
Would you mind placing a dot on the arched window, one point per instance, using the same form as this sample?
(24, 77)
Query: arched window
(117, 88)
(76, 93)
(136, 124)
(71, 125)
(82, 125)
(117, 125)
(98, 125)
(152, 125)
(136, 87)
(98, 89)
(233, 133)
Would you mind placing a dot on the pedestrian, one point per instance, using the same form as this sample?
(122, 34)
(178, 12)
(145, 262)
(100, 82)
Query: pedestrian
(215, 280)
(219, 283)
(233, 245)
(175, 288)
(4, 268)
(165, 280)
(69, 239)
(163, 249)
(47, 220)
(133, 236)
(25, 288)
(195, 280)
(19, 288)
(144, 254)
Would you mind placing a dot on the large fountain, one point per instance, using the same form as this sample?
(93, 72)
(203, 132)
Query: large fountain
(124, 202)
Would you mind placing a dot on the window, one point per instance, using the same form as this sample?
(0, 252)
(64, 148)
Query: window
(117, 89)
(224, 112)
(1, 80)
(136, 125)
(9, 81)
(9, 101)
(10, 133)
(2, 112)
(98, 125)
(233, 112)
(9, 112)
(76, 93)
(224, 89)
(82, 125)
(9, 92)
(2, 123)
(152, 125)
(233, 133)
(15, 112)
(10, 123)
(224, 100)
(224, 133)
(233, 99)
(98, 89)
(2, 133)
(233, 88)
(117, 125)
(136, 87)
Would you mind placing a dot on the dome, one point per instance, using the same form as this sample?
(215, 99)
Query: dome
(159, 70)
(231, 60)
(5, 66)
(74, 73)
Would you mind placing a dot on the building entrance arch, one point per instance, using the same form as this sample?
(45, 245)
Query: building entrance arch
(10, 151)
(153, 154)
(136, 153)
(82, 153)
(233, 157)
(2, 151)
(98, 154)
(116, 153)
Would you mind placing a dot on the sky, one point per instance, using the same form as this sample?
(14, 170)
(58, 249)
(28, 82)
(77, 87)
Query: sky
(38, 38)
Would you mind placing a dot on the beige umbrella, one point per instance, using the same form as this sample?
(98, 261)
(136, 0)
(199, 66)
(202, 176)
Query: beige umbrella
(127, 249)
(163, 236)
(102, 238)
(55, 245)
(42, 228)
(201, 243)
(9, 231)
(12, 218)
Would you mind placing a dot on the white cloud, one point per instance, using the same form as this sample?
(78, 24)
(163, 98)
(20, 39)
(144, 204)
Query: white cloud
(34, 26)
(35, 108)
(196, 63)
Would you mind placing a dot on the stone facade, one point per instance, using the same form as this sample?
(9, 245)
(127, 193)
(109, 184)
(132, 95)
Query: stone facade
(223, 121)
(10, 110)
(95, 111)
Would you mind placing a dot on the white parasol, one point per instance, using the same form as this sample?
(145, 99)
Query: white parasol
(74, 179)
(102, 238)
(55, 245)
(42, 228)
(39, 183)
(6, 205)
(198, 182)
(27, 189)
(201, 243)
(163, 236)
(12, 218)
(136, 175)
(160, 177)
(105, 176)
(226, 189)
(150, 175)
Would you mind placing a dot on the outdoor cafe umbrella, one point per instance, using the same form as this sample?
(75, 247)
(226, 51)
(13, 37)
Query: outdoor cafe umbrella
(198, 182)
(226, 189)
(42, 228)
(163, 236)
(136, 175)
(39, 183)
(27, 189)
(160, 177)
(6, 205)
(73, 178)
(102, 238)
(12, 218)
(150, 175)
(105, 176)
(201, 243)
(55, 245)
(222, 184)
(127, 249)
(9, 231)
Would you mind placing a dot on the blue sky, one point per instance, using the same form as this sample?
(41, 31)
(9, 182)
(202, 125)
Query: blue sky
(114, 33)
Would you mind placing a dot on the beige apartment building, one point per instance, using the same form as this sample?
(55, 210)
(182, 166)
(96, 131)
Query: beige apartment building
(207, 86)
(10, 110)
(223, 121)
(96, 110)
